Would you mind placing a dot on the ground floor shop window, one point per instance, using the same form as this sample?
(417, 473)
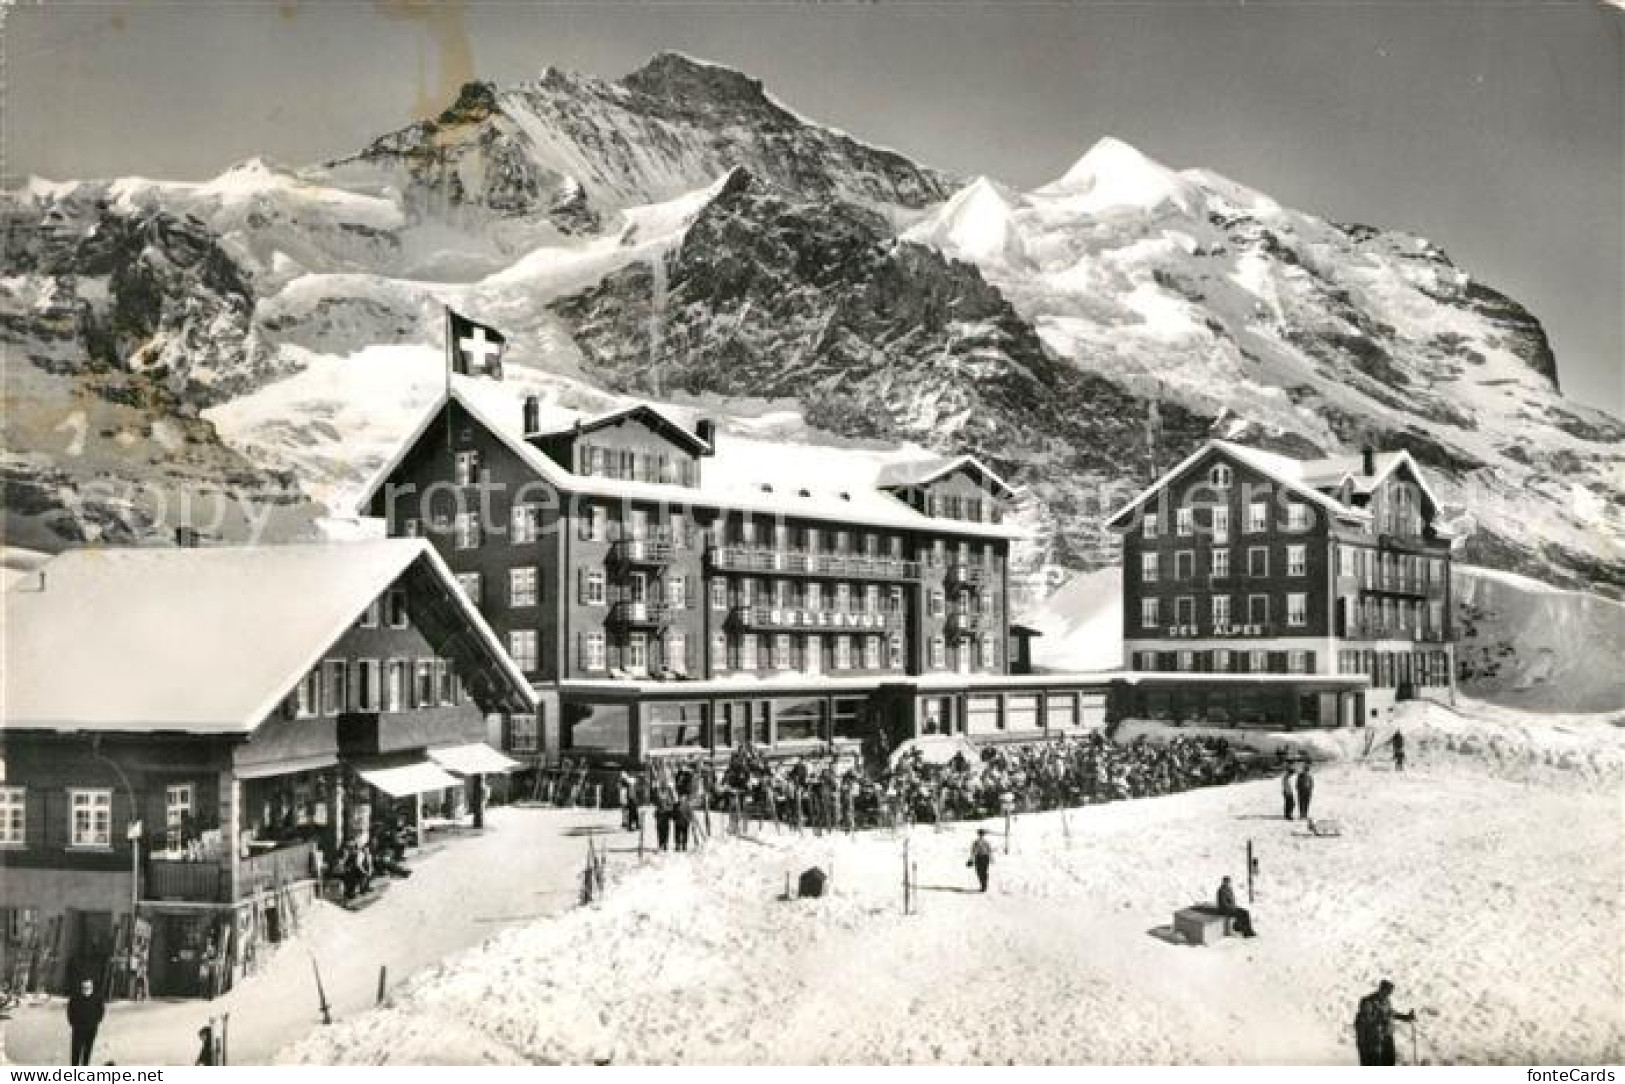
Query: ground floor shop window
(799, 720)
(675, 726)
(983, 715)
(599, 728)
(936, 715)
(524, 735)
(1061, 710)
(1021, 712)
(850, 717)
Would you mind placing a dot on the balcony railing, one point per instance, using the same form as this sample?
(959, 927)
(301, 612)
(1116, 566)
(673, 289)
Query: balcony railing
(968, 624)
(1415, 586)
(796, 563)
(1376, 630)
(642, 551)
(195, 882)
(966, 575)
(210, 882)
(635, 614)
(283, 866)
(818, 620)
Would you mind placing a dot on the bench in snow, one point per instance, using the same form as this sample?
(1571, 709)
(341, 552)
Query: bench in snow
(1199, 924)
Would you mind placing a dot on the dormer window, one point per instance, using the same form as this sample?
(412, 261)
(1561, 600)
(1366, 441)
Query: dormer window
(1220, 476)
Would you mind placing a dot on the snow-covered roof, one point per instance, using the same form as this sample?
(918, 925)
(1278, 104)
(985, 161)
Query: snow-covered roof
(1278, 468)
(1332, 470)
(925, 471)
(205, 641)
(587, 424)
(834, 487)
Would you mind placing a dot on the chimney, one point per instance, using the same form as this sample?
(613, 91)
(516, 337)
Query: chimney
(1368, 460)
(186, 538)
(706, 430)
(533, 414)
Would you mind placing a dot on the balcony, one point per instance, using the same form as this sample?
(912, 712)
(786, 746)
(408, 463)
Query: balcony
(640, 614)
(795, 563)
(820, 620)
(195, 882)
(652, 551)
(1374, 630)
(274, 868)
(210, 881)
(967, 576)
(960, 625)
(1408, 586)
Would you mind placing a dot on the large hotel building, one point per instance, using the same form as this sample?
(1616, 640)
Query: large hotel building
(665, 589)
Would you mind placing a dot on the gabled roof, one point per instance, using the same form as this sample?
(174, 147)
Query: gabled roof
(1332, 471)
(1281, 469)
(643, 411)
(742, 475)
(925, 471)
(203, 641)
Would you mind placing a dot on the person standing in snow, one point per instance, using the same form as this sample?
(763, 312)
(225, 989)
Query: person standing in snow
(663, 817)
(85, 1010)
(1374, 1026)
(1287, 802)
(629, 802)
(1398, 744)
(1306, 790)
(205, 1053)
(981, 857)
(682, 819)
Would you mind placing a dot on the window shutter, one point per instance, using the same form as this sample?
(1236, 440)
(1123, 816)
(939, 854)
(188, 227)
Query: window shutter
(581, 650)
(690, 659)
(581, 585)
(1309, 661)
(688, 592)
(584, 521)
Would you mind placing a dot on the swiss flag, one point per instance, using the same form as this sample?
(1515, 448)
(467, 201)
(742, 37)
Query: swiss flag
(473, 348)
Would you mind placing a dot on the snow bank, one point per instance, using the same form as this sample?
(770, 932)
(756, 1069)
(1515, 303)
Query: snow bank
(1082, 623)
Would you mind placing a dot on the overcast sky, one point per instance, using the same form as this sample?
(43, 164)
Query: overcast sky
(1497, 130)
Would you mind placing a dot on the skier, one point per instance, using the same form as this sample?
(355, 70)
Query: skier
(1242, 917)
(1398, 744)
(1287, 803)
(1374, 1026)
(981, 857)
(85, 1010)
(1306, 790)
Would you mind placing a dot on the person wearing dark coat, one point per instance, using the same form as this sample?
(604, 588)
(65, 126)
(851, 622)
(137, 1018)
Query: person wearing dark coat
(1398, 744)
(86, 1006)
(1374, 1026)
(1306, 790)
(682, 819)
(1287, 803)
(1227, 907)
(205, 1052)
(663, 817)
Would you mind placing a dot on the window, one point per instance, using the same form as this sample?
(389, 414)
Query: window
(1258, 517)
(747, 591)
(1297, 662)
(1187, 660)
(871, 598)
(370, 616)
(1297, 560)
(1185, 611)
(675, 726)
(423, 684)
(719, 651)
(799, 720)
(521, 587)
(1258, 609)
(1184, 564)
(939, 653)
(1150, 525)
(1148, 567)
(1221, 611)
(307, 698)
(395, 608)
(1297, 610)
(13, 817)
(719, 593)
(522, 646)
(592, 651)
(843, 652)
(1221, 524)
(467, 467)
(747, 651)
(677, 651)
(1297, 516)
(1221, 564)
(473, 586)
(92, 812)
(637, 652)
(1345, 560)
(394, 685)
(990, 654)
(1184, 522)
(1220, 476)
(781, 651)
(1149, 615)
(1221, 660)
(895, 650)
(677, 592)
(593, 522)
(177, 811)
(1258, 662)
(524, 736)
(523, 527)
(938, 605)
(593, 587)
(337, 694)
(1258, 561)
(871, 653)
(466, 529)
(367, 688)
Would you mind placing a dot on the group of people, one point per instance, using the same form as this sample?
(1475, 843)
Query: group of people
(673, 799)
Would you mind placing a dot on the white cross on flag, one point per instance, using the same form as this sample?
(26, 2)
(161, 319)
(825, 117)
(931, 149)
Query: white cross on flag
(473, 348)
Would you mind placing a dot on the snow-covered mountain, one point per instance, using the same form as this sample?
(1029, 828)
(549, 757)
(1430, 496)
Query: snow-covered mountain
(267, 335)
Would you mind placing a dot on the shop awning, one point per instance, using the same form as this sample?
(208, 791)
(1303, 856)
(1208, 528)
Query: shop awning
(407, 779)
(476, 758)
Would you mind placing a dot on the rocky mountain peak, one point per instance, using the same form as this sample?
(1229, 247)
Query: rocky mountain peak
(676, 76)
